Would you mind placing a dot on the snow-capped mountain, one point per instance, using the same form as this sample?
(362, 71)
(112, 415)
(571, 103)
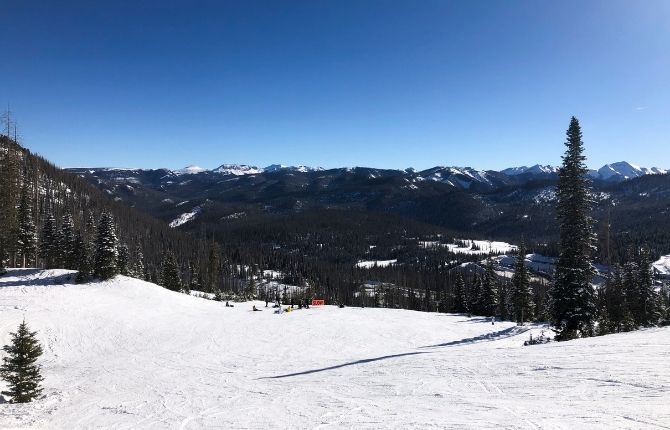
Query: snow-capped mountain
(189, 170)
(461, 177)
(623, 170)
(237, 169)
(614, 172)
(537, 169)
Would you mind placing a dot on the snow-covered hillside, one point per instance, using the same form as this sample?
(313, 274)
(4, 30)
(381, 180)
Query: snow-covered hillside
(128, 354)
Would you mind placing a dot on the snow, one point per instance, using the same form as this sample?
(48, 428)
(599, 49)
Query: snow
(536, 170)
(237, 169)
(185, 217)
(189, 170)
(484, 247)
(619, 171)
(662, 266)
(624, 170)
(373, 263)
(129, 354)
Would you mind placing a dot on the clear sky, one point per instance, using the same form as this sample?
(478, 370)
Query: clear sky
(487, 84)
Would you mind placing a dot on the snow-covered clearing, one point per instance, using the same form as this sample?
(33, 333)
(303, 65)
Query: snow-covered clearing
(375, 263)
(472, 247)
(128, 354)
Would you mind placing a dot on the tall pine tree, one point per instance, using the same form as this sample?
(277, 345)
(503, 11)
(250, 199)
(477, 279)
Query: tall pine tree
(460, 298)
(27, 236)
(573, 307)
(521, 295)
(488, 295)
(106, 248)
(49, 247)
(170, 276)
(67, 245)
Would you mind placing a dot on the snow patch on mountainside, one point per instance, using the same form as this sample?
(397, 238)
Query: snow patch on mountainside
(186, 217)
(536, 170)
(662, 266)
(375, 263)
(237, 169)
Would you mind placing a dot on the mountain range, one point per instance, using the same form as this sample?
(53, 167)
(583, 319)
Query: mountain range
(461, 177)
(504, 205)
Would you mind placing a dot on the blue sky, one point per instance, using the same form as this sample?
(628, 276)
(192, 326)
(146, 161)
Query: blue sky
(487, 84)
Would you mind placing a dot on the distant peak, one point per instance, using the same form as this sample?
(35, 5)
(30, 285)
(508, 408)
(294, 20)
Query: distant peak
(237, 169)
(189, 170)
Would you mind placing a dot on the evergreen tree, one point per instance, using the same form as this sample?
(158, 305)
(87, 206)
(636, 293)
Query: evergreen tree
(27, 236)
(649, 312)
(19, 368)
(475, 292)
(106, 248)
(138, 268)
(460, 298)
(123, 260)
(170, 277)
(251, 287)
(67, 243)
(83, 258)
(503, 301)
(614, 301)
(521, 294)
(214, 266)
(572, 304)
(3, 258)
(488, 294)
(49, 246)
(10, 177)
(631, 292)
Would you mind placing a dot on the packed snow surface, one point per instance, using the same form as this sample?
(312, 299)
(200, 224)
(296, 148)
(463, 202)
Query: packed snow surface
(126, 354)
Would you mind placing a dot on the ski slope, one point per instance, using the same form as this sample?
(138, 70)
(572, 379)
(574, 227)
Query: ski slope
(127, 354)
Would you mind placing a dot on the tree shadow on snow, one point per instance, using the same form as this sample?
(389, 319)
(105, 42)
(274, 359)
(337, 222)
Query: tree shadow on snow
(352, 363)
(488, 337)
(26, 277)
(496, 335)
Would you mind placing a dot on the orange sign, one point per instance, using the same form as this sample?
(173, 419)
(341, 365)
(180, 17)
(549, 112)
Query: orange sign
(316, 302)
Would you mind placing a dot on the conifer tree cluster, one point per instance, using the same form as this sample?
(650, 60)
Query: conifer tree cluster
(629, 300)
(53, 219)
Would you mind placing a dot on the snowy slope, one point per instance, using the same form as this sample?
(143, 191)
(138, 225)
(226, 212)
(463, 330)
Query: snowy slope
(128, 354)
